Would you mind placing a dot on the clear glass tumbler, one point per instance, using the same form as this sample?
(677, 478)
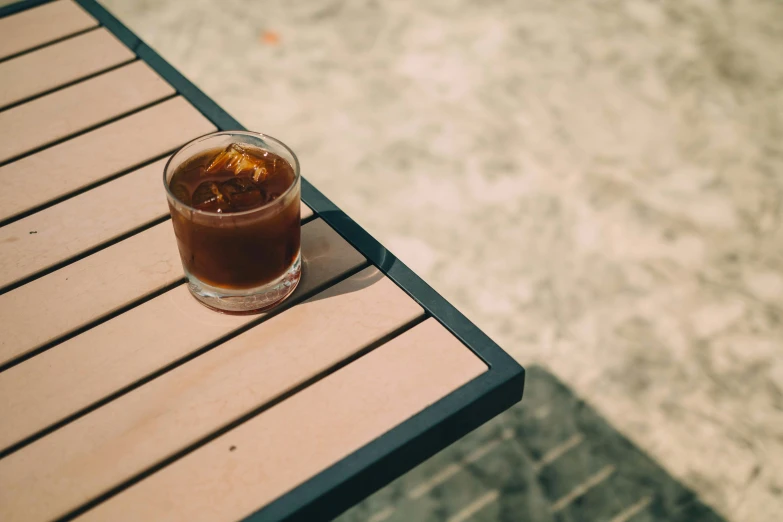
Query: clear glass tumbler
(243, 261)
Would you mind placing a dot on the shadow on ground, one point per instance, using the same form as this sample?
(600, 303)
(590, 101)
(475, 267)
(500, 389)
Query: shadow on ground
(550, 458)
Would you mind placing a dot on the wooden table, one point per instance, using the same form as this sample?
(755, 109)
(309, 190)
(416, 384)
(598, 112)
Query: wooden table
(121, 397)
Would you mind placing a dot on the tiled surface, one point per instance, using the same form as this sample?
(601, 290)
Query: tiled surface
(596, 184)
(550, 458)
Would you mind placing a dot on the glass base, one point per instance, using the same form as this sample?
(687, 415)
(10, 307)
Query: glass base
(250, 300)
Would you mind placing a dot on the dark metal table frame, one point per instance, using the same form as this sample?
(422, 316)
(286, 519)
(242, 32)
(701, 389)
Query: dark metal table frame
(356, 476)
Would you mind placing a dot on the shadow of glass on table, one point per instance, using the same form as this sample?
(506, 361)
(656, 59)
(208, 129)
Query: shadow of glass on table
(360, 281)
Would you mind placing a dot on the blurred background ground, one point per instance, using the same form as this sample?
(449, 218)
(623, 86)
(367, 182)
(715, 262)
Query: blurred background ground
(597, 184)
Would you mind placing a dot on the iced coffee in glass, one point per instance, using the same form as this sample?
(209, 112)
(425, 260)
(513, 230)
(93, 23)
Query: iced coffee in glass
(235, 206)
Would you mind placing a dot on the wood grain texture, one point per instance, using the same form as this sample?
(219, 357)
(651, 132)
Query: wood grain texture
(40, 25)
(87, 290)
(62, 301)
(284, 446)
(63, 168)
(115, 354)
(60, 63)
(75, 108)
(80, 223)
(80, 460)
(74, 226)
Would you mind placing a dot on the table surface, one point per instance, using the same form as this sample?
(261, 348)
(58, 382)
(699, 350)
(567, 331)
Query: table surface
(121, 396)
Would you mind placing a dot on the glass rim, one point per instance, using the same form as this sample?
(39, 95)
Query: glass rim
(262, 137)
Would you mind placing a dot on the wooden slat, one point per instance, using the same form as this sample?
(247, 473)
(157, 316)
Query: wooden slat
(115, 354)
(72, 109)
(255, 463)
(88, 289)
(40, 25)
(53, 172)
(78, 224)
(81, 460)
(83, 222)
(74, 226)
(62, 301)
(60, 63)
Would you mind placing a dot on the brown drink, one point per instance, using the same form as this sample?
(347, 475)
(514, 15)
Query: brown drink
(235, 209)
